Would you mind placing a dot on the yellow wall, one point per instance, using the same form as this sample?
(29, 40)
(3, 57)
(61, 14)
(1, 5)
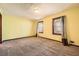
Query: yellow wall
(16, 27)
(72, 17)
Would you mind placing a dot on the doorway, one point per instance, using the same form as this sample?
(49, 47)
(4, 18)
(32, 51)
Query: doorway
(0, 28)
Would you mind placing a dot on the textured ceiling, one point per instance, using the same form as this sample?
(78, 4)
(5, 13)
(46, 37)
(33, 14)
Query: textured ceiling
(28, 9)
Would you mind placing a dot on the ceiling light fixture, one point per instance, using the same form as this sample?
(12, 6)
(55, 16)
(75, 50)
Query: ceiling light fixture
(36, 10)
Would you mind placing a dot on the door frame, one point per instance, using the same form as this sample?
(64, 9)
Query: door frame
(0, 28)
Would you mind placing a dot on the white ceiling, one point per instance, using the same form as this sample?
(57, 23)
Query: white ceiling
(33, 10)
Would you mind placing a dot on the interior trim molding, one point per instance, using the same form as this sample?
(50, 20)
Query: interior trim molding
(0, 28)
(73, 45)
(49, 39)
(59, 41)
(18, 38)
(40, 37)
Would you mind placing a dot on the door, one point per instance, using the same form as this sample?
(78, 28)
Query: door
(0, 28)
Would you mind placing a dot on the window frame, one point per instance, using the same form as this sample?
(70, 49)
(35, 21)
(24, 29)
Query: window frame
(62, 19)
(38, 25)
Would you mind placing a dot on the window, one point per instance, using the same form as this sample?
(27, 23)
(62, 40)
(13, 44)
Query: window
(40, 27)
(58, 25)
